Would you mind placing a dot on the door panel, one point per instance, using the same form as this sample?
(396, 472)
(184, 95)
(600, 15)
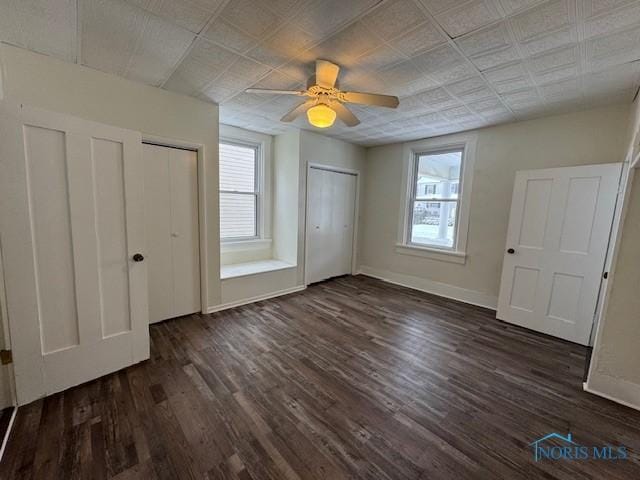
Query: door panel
(185, 236)
(51, 223)
(559, 228)
(565, 297)
(579, 215)
(525, 286)
(346, 225)
(171, 206)
(534, 216)
(158, 231)
(70, 218)
(113, 263)
(330, 224)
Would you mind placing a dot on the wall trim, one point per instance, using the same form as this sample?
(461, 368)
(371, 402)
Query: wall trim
(620, 391)
(246, 301)
(430, 286)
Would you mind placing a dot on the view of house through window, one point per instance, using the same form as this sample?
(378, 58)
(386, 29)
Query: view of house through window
(435, 199)
(239, 191)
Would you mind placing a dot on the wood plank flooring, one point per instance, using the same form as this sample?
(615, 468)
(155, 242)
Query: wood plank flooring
(352, 378)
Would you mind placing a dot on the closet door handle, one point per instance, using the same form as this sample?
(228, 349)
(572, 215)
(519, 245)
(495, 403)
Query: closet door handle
(138, 257)
(175, 235)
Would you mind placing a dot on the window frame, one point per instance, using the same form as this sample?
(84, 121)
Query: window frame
(456, 254)
(258, 192)
(431, 198)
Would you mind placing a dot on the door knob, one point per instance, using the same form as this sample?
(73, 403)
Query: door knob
(138, 257)
(175, 235)
(511, 251)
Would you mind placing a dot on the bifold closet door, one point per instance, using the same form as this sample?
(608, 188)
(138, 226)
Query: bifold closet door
(72, 223)
(173, 247)
(330, 224)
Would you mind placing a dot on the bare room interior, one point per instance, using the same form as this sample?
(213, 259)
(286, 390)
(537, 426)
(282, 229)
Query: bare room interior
(319, 239)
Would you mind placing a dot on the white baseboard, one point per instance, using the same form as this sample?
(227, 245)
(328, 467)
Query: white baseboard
(5, 440)
(614, 389)
(429, 286)
(245, 301)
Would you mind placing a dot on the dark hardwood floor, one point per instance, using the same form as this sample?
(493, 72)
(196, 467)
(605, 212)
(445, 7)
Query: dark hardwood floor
(352, 378)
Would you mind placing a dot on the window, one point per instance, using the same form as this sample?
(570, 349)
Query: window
(239, 191)
(426, 189)
(434, 198)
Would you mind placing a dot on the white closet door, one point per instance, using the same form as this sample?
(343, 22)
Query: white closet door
(72, 223)
(185, 241)
(171, 207)
(330, 224)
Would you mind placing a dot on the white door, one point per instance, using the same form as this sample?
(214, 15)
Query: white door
(173, 246)
(71, 222)
(330, 224)
(557, 240)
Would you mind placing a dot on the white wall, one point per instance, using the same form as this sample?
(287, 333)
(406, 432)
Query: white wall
(44, 82)
(590, 137)
(615, 363)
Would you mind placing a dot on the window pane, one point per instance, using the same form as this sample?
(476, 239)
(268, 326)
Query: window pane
(438, 175)
(237, 168)
(237, 215)
(434, 223)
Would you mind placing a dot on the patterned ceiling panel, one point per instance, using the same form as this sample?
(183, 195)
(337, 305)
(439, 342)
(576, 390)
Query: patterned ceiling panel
(455, 64)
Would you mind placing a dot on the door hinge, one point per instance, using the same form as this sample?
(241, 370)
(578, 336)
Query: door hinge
(6, 357)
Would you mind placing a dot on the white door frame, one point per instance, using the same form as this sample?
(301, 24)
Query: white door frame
(356, 213)
(625, 172)
(202, 206)
(624, 192)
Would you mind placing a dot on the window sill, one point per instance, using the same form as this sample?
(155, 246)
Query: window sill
(252, 268)
(245, 245)
(451, 256)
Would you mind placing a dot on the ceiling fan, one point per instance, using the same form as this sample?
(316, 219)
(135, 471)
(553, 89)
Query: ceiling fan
(326, 101)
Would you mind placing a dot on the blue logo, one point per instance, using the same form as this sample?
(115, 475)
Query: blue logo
(555, 446)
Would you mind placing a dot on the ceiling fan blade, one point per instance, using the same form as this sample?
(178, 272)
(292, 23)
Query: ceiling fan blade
(326, 73)
(297, 111)
(275, 92)
(371, 99)
(344, 114)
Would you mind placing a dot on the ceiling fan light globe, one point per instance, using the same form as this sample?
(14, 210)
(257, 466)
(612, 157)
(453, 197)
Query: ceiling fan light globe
(321, 116)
